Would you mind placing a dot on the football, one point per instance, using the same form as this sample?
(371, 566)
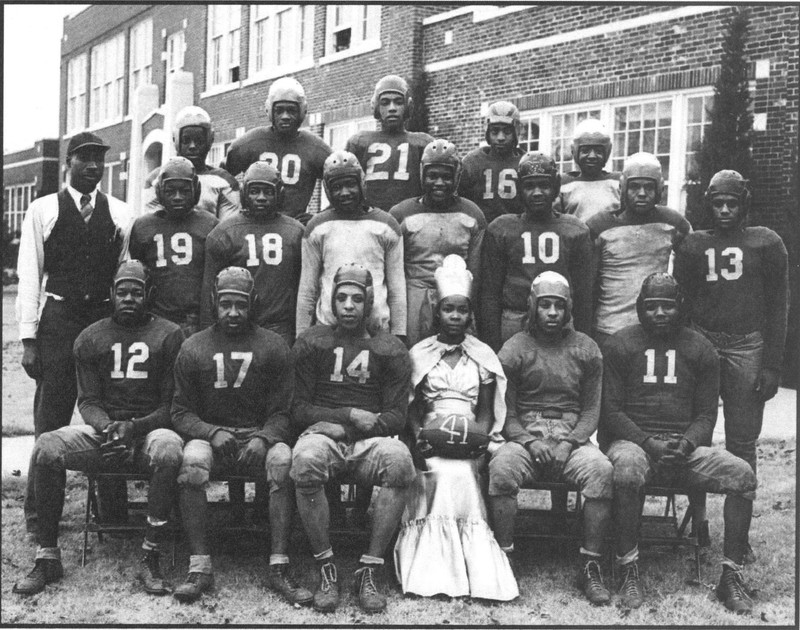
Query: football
(455, 436)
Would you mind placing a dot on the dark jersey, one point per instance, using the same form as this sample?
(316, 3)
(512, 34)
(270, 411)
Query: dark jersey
(390, 163)
(241, 381)
(270, 250)
(490, 181)
(299, 160)
(737, 284)
(335, 373)
(586, 197)
(125, 372)
(516, 250)
(219, 192)
(174, 252)
(654, 385)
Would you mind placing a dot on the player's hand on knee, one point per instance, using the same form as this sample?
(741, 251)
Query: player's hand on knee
(224, 444)
(655, 447)
(767, 383)
(676, 453)
(253, 455)
(328, 429)
(31, 362)
(561, 453)
(541, 452)
(363, 421)
(119, 440)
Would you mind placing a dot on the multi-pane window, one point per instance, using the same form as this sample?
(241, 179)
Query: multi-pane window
(697, 122)
(337, 135)
(76, 93)
(176, 46)
(529, 135)
(217, 153)
(351, 27)
(563, 128)
(16, 201)
(141, 58)
(107, 81)
(645, 126)
(224, 29)
(282, 37)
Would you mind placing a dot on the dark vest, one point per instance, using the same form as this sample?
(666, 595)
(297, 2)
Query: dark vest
(80, 258)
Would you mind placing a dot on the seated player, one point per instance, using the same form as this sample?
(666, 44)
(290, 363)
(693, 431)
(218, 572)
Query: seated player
(125, 386)
(660, 390)
(390, 155)
(233, 391)
(172, 241)
(554, 382)
(350, 400)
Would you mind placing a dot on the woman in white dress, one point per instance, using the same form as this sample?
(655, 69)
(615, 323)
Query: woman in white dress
(445, 544)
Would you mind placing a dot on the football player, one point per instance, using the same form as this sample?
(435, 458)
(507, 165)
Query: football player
(351, 231)
(390, 156)
(125, 386)
(518, 248)
(267, 243)
(233, 391)
(351, 397)
(171, 241)
(490, 173)
(297, 154)
(435, 225)
(631, 243)
(590, 189)
(660, 389)
(554, 382)
(193, 136)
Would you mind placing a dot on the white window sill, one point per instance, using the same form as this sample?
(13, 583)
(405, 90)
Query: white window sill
(221, 89)
(482, 14)
(280, 71)
(360, 49)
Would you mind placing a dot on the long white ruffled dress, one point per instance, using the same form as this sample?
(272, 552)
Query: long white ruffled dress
(445, 544)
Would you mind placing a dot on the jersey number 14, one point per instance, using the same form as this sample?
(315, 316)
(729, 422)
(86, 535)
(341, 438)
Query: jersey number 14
(358, 368)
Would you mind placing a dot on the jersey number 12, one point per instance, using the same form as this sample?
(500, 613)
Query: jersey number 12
(138, 353)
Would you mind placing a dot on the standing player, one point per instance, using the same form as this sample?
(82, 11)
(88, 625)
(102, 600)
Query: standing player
(660, 389)
(265, 242)
(75, 238)
(351, 231)
(172, 243)
(631, 243)
(433, 226)
(490, 173)
(297, 154)
(590, 189)
(517, 248)
(193, 136)
(124, 366)
(233, 390)
(351, 398)
(390, 156)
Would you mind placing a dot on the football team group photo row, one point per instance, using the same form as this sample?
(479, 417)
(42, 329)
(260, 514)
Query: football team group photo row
(448, 330)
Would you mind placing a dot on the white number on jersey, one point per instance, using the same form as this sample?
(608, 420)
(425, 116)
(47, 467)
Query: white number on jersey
(219, 358)
(669, 377)
(358, 368)
(731, 269)
(271, 249)
(549, 246)
(181, 244)
(289, 166)
(506, 184)
(380, 152)
(138, 353)
(449, 426)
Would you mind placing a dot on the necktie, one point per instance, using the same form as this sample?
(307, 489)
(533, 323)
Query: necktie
(86, 207)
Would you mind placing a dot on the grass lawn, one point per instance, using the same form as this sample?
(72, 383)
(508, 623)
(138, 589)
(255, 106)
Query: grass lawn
(105, 591)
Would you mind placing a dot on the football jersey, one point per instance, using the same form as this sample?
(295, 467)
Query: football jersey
(737, 284)
(587, 197)
(336, 372)
(125, 372)
(270, 250)
(654, 385)
(238, 381)
(299, 160)
(391, 164)
(625, 254)
(219, 193)
(490, 181)
(333, 239)
(174, 252)
(516, 250)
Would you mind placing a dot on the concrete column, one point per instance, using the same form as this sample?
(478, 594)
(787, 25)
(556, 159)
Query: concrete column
(179, 94)
(145, 100)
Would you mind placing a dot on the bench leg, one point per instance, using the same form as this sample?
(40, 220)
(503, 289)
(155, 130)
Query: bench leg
(87, 519)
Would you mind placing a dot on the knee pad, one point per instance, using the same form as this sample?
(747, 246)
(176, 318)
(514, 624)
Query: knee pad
(397, 467)
(164, 449)
(47, 451)
(195, 469)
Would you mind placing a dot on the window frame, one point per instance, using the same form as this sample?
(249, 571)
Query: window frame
(106, 92)
(298, 34)
(20, 197)
(77, 93)
(175, 49)
(223, 48)
(140, 58)
(369, 38)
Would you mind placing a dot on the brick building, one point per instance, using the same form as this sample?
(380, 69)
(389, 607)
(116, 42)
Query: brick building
(28, 174)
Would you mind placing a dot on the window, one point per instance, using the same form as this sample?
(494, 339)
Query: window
(16, 200)
(529, 135)
(351, 29)
(224, 29)
(176, 46)
(107, 81)
(141, 58)
(282, 39)
(217, 153)
(669, 125)
(76, 93)
(337, 135)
